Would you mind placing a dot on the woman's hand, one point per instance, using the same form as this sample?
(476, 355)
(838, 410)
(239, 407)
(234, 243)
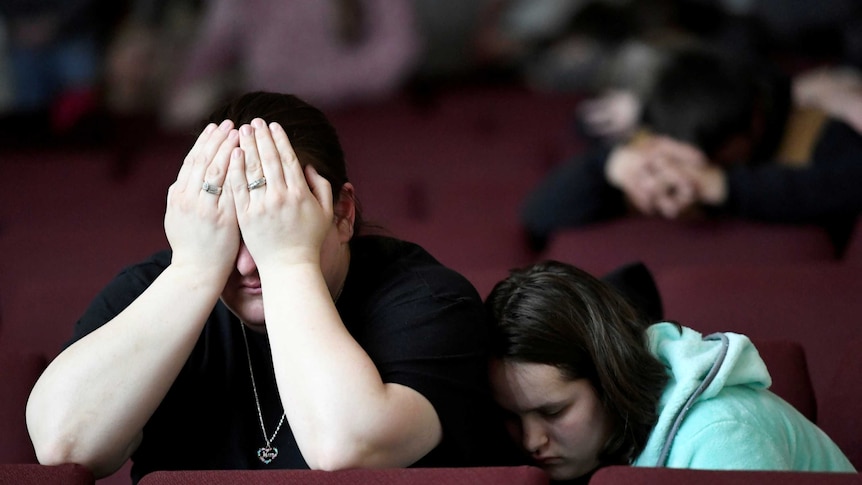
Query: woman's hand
(122, 370)
(284, 212)
(201, 224)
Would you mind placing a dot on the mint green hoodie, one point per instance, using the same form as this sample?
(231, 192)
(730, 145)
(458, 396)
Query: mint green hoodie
(732, 421)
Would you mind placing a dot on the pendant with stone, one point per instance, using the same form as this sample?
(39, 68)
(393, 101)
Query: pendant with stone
(267, 453)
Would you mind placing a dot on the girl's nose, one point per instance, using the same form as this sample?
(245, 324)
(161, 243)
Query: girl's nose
(534, 436)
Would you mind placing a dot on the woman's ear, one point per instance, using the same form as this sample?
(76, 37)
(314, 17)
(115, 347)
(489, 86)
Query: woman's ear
(345, 212)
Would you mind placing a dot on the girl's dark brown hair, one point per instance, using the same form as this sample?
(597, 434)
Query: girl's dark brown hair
(312, 136)
(553, 313)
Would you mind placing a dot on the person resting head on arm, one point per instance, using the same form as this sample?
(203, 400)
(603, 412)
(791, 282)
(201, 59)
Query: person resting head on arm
(586, 382)
(718, 138)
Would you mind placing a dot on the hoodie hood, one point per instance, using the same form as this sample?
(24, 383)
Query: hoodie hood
(699, 368)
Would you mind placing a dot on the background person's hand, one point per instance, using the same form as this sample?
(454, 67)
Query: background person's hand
(628, 170)
(655, 174)
(672, 165)
(709, 182)
(286, 220)
(836, 91)
(201, 227)
(671, 191)
(613, 115)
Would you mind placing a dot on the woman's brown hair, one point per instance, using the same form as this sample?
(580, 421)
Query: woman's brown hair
(555, 314)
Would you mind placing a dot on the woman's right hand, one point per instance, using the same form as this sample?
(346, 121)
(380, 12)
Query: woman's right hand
(122, 370)
(201, 226)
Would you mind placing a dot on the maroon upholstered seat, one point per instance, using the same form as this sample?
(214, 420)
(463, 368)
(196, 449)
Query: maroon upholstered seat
(19, 370)
(839, 414)
(485, 279)
(523, 475)
(55, 270)
(853, 251)
(624, 475)
(33, 474)
(659, 243)
(816, 305)
(789, 370)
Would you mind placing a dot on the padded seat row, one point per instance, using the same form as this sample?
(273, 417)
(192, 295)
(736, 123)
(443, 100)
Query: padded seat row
(613, 475)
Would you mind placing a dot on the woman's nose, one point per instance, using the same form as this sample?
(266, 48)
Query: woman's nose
(244, 262)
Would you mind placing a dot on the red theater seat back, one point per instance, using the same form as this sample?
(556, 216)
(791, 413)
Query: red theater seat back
(33, 474)
(623, 475)
(522, 475)
(19, 371)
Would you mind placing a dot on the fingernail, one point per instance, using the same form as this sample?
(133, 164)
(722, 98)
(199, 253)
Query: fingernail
(236, 153)
(226, 125)
(258, 123)
(210, 128)
(274, 126)
(245, 130)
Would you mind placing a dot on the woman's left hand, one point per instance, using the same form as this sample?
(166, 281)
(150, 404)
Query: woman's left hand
(284, 212)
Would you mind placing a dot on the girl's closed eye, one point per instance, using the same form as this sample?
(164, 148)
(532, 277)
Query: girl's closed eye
(553, 412)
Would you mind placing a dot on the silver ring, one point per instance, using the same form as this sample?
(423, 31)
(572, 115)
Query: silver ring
(257, 183)
(210, 188)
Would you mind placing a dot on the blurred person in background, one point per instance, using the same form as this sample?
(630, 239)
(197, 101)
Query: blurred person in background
(55, 53)
(333, 53)
(144, 53)
(719, 137)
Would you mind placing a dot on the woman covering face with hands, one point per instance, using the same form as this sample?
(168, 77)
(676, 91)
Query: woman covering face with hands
(272, 334)
(285, 215)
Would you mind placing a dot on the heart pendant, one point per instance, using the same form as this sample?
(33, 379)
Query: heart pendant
(267, 454)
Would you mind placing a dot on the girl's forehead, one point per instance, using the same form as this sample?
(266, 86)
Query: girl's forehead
(523, 386)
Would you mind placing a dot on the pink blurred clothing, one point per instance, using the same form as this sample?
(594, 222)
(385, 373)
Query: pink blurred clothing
(294, 46)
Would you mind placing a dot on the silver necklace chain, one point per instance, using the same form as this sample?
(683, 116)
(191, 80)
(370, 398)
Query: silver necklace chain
(266, 453)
